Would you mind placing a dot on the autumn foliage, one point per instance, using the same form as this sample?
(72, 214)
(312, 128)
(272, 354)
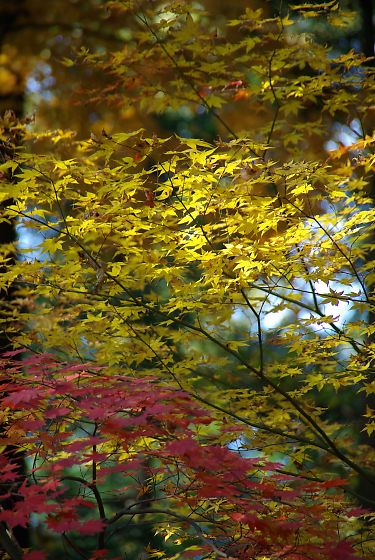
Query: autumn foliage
(128, 424)
(194, 310)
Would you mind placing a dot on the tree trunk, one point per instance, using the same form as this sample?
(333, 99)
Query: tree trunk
(13, 101)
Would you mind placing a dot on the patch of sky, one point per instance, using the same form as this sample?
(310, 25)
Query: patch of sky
(344, 135)
(270, 319)
(29, 240)
(40, 82)
(243, 449)
(242, 446)
(340, 308)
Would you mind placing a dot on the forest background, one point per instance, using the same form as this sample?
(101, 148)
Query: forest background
(187, 279)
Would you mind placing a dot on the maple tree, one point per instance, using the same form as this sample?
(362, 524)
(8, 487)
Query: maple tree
(182, 320)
